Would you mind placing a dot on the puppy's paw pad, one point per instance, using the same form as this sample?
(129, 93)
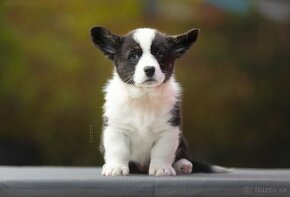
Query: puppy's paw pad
(115, 170)
(162, 171)
(183, 166)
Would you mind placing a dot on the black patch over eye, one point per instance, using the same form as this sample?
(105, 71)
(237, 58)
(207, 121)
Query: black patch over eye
(127, 59)
(160, 49)
(133, 56)
(160, 54)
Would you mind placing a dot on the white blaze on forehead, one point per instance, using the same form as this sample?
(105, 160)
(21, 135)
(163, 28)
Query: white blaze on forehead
(144, 36)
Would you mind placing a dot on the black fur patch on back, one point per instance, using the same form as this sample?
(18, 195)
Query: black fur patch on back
(175, 119)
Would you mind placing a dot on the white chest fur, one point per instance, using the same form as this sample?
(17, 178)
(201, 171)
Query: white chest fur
(142, 114)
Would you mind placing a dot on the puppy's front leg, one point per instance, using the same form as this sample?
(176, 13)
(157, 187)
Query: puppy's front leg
(163, 153)
(117, 152)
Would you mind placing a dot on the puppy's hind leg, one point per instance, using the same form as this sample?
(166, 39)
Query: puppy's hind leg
(182, 166)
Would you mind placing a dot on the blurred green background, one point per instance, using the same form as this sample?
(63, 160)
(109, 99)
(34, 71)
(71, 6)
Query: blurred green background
(236, 78)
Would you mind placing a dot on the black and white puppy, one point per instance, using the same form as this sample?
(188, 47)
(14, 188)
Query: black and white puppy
(142, 103)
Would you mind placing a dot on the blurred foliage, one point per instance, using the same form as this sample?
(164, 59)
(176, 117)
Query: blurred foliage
(235, 80)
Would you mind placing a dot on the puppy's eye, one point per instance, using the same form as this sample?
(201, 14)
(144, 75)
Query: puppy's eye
(159, 54)
(133, 56)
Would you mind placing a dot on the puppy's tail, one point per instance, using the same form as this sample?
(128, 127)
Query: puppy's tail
(199, 166)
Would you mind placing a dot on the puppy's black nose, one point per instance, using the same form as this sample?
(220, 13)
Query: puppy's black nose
(149, 71)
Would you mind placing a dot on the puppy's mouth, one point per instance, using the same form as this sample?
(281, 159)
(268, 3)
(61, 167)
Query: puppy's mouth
(150, 82)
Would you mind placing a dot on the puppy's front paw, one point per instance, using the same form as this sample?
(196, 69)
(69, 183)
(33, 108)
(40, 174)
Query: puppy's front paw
(162, 171)
(115, 170)
(183, 166)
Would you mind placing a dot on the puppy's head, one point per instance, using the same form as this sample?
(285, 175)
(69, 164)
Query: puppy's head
(144, 57)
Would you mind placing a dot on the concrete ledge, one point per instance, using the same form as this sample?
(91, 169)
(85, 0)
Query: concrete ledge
(80, 181)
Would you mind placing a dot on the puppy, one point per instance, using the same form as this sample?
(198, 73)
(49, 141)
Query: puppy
(142, 103)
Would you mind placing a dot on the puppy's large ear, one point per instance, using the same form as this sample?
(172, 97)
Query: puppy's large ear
(182, 42)
(107, 42)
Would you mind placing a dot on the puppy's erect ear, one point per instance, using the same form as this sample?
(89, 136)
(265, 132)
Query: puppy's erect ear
(182, 42)
(107, 42)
